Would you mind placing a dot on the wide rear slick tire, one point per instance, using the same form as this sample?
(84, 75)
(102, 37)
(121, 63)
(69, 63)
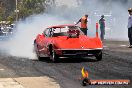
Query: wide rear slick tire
(99, 56)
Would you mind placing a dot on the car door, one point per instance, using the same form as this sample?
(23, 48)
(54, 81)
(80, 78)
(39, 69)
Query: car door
(41, 41)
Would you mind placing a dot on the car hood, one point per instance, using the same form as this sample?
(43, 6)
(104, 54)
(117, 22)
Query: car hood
(83, 42)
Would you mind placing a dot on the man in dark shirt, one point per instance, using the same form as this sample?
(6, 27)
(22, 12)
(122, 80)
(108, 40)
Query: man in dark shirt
(102, 27)
(129, 26)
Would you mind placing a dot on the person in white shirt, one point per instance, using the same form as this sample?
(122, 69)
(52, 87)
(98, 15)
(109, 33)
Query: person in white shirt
(130, 27)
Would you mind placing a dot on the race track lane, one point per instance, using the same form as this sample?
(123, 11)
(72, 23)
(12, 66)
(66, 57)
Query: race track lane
(116, 64)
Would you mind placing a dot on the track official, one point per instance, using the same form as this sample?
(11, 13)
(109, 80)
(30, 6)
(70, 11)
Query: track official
(83, 22)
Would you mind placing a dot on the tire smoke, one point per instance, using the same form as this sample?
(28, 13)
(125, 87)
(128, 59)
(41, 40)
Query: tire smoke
(21, 44)
(67, 12)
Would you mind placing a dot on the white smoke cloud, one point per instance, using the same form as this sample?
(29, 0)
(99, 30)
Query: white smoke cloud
(21, 44)
(67, 12)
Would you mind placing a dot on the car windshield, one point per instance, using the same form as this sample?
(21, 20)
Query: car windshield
(71, 31)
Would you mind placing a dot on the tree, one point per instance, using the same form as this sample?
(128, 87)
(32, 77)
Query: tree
(29, 7)
(10, 18)
(25, 7)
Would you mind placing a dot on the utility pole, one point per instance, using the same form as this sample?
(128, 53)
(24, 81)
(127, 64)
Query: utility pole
(16, 10)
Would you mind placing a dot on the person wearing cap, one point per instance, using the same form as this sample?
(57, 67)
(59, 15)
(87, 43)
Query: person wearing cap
(129, 26)
(102, 27)
(83, 22)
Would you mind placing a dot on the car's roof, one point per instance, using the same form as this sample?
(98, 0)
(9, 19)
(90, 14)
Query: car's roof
(61, 26)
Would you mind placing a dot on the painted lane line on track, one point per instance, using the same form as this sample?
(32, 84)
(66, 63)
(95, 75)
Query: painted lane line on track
(105, 46)
(2, 69)
(9, 83)
(37, 82)
(123, 45)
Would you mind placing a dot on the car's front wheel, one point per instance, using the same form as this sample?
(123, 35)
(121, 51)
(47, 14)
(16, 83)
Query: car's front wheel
(53, 55)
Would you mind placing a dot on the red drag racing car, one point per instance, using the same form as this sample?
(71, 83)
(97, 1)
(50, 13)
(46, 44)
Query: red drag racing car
(66, 41)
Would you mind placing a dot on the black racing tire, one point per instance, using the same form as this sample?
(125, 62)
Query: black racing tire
(53, 56)
(99, 56)
(39, 58)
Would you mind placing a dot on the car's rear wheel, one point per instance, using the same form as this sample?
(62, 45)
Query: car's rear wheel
(39, 58)
(99, 56)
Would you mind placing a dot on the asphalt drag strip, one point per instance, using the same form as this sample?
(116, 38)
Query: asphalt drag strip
(116, 64)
